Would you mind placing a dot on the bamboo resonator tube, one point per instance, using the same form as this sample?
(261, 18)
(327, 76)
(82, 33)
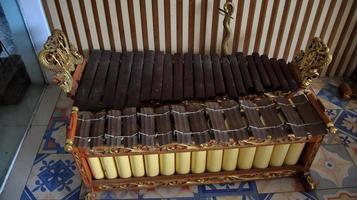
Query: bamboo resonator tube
(195, 162)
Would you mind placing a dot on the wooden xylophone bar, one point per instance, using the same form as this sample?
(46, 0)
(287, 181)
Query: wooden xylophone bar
(117, 80)
(243, 127)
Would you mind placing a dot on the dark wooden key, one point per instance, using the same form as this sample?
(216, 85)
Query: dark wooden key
(87, 80)
(217, 122)
(167, 86)
(114, 128)
(219, 86)
(271, 118)
(146, 82)
(94, 100)
(163, 123)
(130, 127)
(147, 126)
(282, 80)
(198, 124)
(309, 115)
(270, 71)
(111, 81)
(238, 79)
(248, 83)
(178, 77)
(156, 89)
(182, 125)
(255, 75)
(254, 121)
(188, 87)
(123, 79)
(228, 78)
(208, 76)
(263, 74)
(135, 80)
(198, 77)
(97, 129)
(234, 120)
(83, 130)
(289, 77)
(292, 117)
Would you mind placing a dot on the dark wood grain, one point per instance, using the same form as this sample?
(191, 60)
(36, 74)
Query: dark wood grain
(123, 79)
(135, 80)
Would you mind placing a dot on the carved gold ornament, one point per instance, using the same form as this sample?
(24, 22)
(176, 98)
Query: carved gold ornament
(309, 62)
(61, 57)
(227, 11)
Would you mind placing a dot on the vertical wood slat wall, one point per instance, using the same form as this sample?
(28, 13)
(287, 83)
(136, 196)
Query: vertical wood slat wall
(278, 28)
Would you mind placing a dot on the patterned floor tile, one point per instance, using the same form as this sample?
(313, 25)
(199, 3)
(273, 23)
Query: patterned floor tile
(55, 136)
(247, 190)
(330, 93)
(318, 84)
(183, 192)
(290, 184)
(53, 176)
(288, 196)
(64, 104)
(333, 168)
(352, 150)
(338, 194)
(121, 194)
(347, 123)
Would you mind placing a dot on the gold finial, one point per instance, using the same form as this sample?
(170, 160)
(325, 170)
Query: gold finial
(61, 57)
(309, 62)
(228, 11)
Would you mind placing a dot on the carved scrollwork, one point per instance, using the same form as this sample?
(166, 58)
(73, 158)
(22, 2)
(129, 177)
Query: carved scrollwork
(309, 62)
(197, 181)
(61, 57)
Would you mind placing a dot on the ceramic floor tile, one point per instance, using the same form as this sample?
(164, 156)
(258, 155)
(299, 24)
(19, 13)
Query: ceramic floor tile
(352, 150)
(289, 196)
(169, 192)
(330, 93)
(53, 176)
(318, 84)
(9, 143)
(347, 123)
(233, 197)
(245, 189)
(120, 194)
(337, 194)
(55, 136)
(333, 168)
(290, 184)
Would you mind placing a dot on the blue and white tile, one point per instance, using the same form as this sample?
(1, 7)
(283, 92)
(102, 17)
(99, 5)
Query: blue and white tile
(180, 192)
(247, 190)
(54, 139)
(333, 168)
(289, 195)
(119, 194)
(337, 194)
(53, 176)
(346, 122)
(289, 184)
(330, 93)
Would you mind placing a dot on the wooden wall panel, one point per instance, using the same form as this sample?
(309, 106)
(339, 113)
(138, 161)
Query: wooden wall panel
(278, 28)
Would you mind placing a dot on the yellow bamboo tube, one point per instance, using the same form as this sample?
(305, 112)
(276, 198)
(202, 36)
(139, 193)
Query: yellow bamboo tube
(278, 155)
(230, 157)
(246, 157)
(198, 162)
(183, 161)
(262, 156)
(137, 165)
(151, 164)
(95, 167)
(109, 167)
(167, 164)
(214, 160)
(123, 166)
(294, 153)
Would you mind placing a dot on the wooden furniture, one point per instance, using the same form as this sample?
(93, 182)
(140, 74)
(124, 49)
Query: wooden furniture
(149, 119)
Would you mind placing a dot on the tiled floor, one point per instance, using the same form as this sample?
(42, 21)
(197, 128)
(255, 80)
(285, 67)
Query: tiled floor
(53, 174)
